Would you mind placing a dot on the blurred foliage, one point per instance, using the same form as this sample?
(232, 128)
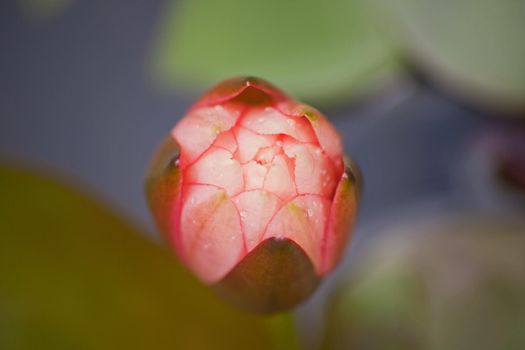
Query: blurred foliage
(43, 9)
(74, 276)
(458, 285)
(322, 51)
(474, 48)
(329, 51)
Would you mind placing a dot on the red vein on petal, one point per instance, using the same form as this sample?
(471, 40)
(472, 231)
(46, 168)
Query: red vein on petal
(236, 126)
(187, 165)
(224, 148)
(244, 243)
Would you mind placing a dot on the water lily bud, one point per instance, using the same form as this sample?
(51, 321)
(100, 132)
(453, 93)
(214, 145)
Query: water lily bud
(251, 190)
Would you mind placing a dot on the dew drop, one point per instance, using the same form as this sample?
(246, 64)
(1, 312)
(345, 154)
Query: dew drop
(243, 214)
(310, 212)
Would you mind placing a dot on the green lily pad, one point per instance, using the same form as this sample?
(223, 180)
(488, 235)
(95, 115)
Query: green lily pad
(75, 276)
(315, 50)
(454, 283)
(474, 48)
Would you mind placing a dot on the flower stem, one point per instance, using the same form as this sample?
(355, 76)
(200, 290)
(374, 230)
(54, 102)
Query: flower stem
(282, 329)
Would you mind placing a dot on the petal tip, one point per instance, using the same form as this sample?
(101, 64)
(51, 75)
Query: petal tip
(234, 87)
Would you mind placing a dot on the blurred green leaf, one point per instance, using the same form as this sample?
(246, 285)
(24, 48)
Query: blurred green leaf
(316, 50)
(475, 48)
(456, 285)
(74, 276)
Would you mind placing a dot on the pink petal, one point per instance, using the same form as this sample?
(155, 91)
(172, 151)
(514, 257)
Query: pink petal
(326, 134)
(250, 143)
(302, 220)
(314, 172)
(266, 155)
(342, 216)
(227, 141)
(254, 175)
(216, 167)
(271, 121)
(279, 178)
(197, 131)
(211, 240)
(256, 208)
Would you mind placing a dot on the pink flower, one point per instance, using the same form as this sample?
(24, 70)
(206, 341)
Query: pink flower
(257, 171)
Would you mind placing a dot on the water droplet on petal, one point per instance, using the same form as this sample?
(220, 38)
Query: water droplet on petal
(243, 214)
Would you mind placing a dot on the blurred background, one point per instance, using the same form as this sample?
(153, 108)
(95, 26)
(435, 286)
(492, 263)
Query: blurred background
(428, 95)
